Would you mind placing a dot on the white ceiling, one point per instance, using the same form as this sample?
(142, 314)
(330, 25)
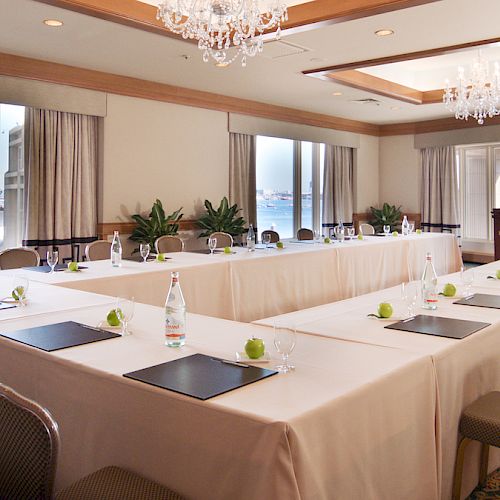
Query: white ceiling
(101, 45)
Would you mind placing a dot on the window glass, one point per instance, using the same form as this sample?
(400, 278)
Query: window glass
(274, 179)
(11, 175)
(475, 194)
(307, 184)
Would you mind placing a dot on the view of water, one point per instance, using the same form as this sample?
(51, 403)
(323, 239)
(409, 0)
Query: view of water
(278, 215)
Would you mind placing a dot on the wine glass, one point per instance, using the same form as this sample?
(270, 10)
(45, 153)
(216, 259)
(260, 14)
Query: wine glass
(20, 289)
(284, 342)
(125, 312)
(52, 258)
(212, 244)
(409, 295)
(144, 249)
(266, 239)
(387, 229)
(317, 236)
(351, 232)
(467, 276)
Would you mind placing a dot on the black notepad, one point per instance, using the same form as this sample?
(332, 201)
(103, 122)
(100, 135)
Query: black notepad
(7, 305)
(200, 376)
(59, 335)
(480, 300)
(138, 258)
(438, 326)
(46, 269)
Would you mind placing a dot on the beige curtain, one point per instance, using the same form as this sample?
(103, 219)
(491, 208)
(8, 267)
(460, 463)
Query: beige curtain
(61, 173)
(242, 183)
(439, 202)
(337, 186)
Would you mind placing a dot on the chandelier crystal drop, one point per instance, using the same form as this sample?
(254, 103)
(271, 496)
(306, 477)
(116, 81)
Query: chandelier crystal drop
(219, 25)
(477, 96)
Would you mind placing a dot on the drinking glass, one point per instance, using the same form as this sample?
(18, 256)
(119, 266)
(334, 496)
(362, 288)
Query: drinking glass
(351, 232)
(284, 342)
(145, 248)
(409, 295)
(52, 258)
(212, 244)
(387, 229)
(266, 239)
(411, 227)
(467, 276)
(317, 236)
(125, 312)
(20, 289)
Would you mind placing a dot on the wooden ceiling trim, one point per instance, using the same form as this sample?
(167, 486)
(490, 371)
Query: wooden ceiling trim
(409, 56)
(34, 69)
(363, 81)
(310, 15)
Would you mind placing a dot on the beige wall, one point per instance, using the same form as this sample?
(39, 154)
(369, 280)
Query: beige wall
(366, 174)
(399, 172)
(159, 150)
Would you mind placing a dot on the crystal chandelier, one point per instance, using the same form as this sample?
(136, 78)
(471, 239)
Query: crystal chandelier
(478, 96)
(218, 24)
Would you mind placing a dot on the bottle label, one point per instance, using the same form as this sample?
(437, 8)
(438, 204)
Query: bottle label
(175, 326)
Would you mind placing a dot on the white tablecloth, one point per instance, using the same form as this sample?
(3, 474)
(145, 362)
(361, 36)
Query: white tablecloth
(248, 286)
(352, 421)
(465, 369)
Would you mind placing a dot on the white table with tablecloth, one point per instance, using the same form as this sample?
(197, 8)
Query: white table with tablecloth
(246, 286)
(465, 369)
(352, 420)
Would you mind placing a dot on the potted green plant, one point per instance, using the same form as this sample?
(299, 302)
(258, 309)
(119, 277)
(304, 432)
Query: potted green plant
(387, 215)
(224, 218)
(148, 230)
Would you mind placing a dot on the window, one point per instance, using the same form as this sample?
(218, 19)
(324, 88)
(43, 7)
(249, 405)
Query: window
(11, 175)
(283, 204)
(479, 187)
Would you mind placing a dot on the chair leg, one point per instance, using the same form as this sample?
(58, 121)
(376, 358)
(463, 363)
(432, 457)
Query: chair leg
(459, 465)
(483, 470)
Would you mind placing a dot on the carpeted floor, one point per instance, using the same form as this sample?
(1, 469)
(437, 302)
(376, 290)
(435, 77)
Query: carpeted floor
(490, 491)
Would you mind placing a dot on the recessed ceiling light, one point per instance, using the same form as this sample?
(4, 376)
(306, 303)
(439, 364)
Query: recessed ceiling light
(337, 93)
(384, 32)
(394, 108)
(53, 23)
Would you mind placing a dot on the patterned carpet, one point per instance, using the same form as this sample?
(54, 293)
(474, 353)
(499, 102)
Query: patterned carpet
(490, 491)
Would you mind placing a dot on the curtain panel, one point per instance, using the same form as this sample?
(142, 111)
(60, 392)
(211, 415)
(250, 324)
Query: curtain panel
(439, 203)
(242, 180)
(338, 188)
(61, 182)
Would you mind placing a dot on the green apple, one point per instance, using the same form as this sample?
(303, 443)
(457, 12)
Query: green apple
(360, 236)
(395, 233)
(112, 317)
(73, 266)
(385, 310)
(327, 240)
(418, 231)
(255, 348)
(160, 257)
(280, 245)
(18, 293)
(227, 250)
(449, 290)
(497, 274)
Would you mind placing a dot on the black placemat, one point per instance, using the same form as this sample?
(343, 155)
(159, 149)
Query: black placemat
(438, 326)
(200, 376)
(46, 269)
(59, 335)
(7, 305)
(138, 258)
(480, 300)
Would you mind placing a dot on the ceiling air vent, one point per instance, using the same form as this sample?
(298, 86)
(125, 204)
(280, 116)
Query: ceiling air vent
(368, 101)
(277, 49)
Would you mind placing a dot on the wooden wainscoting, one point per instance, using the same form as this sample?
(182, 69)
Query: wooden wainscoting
(364, 217)
(106, 229)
